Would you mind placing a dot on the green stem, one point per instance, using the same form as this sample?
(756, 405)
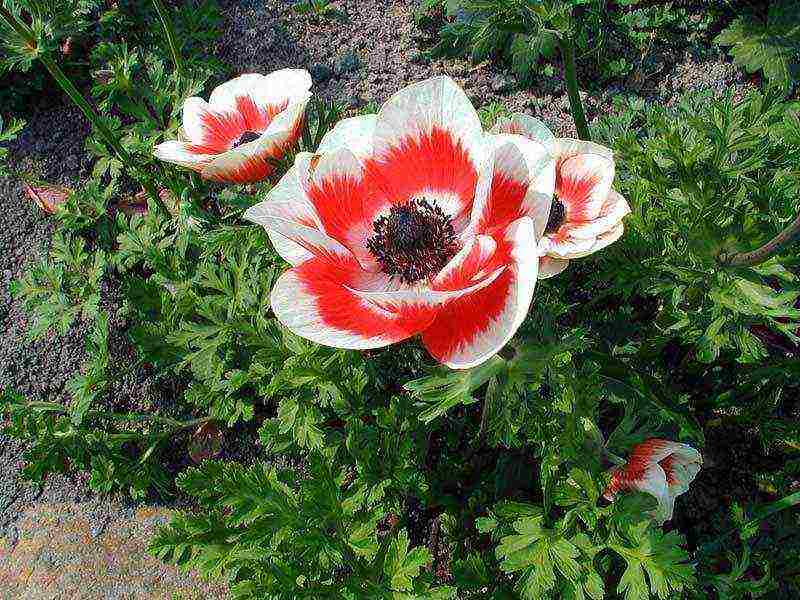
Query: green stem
(27, 36)
(55, 407)
(748, 259)
(567, 48)
(19, 28)
(169, 33)
(789, 501)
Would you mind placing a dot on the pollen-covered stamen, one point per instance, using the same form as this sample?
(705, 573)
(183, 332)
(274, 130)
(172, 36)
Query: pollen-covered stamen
(246, 138)
(557, 216)
(414, 241)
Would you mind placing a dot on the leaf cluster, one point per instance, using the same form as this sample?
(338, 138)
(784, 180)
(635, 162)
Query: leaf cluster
(613, 37)
(770, 44)
(708, 178)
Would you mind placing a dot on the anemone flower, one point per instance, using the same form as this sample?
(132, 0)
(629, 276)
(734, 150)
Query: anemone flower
(246, 123)
(587, 214)
(411, 221)
(661, 468)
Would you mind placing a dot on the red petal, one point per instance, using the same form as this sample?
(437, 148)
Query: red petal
(430, 164)
(469, 330)
(221, 130)
(313, 300)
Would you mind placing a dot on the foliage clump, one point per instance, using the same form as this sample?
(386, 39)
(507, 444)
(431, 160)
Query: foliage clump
(615, 38)
(769, 43)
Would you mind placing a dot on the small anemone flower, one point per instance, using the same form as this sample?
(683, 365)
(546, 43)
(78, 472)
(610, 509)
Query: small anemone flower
(661, 468)
(586, 214)
(247, 123)
(411, 222)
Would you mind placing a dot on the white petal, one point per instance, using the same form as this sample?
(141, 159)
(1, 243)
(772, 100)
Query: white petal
(526, 126)
(654, 482)
(355, 134)
(193, 126)
(469, 265)
(179, 153)
(584, 184)
(527, 164)
(417, 110)
(311, 239)
(286, 85)
(614, 209)
(334, 188)
(312, 300)
(568, 248)
(563, 148)
(249, 162)
(550, 267)
(288, 120)
(290, 85)
(609, 237)
(469, 330)
(287, 201)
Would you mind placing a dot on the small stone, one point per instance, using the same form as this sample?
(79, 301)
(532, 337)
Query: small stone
(320, 72)
(349, 63)
(12, 537)
(500, 84)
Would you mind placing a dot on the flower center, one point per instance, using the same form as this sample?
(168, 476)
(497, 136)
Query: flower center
(557, 216)
(414, 241)
(246, 138)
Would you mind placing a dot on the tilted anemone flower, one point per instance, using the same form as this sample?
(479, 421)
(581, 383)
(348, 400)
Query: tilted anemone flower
(587, 214)
(411, 221)
(661, 468)
(246, 123)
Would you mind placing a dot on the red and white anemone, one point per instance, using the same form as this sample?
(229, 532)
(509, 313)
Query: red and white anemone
(411, 221)
(661, 468)
(246, 122)
(587, 214)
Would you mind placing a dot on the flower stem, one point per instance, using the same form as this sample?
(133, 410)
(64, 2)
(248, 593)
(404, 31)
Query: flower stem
(567, 48)
(27, 36)
(175, 424)
(768, 250)
(19, 28)
(169, 34)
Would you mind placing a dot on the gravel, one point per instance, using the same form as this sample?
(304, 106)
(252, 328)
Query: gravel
(383, 50)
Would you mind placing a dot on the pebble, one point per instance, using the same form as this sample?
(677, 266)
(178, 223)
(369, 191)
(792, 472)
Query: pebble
(320, 72)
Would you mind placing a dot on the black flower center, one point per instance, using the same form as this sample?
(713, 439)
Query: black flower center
(246, 138)
(557, 215)
(414, 241)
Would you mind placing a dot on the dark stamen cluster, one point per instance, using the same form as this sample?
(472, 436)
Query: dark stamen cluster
(415, 240)
(246, 138)
(557, 215)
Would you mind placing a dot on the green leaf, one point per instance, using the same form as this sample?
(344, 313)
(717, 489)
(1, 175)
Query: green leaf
(656, 564)
(400, 566)
(439, 392)
(772, 46)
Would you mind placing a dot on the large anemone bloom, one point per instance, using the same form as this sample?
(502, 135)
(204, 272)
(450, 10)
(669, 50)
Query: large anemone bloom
(246, 123)
(411, 221)
(587, 214)
(661, 468)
